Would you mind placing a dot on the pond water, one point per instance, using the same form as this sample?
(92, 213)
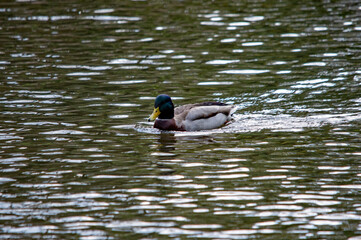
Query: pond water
(80, 161)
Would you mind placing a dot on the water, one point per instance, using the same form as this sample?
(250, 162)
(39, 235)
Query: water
(79, 160)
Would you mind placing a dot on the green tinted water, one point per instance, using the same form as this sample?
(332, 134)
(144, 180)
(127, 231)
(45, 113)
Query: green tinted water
(79, 160)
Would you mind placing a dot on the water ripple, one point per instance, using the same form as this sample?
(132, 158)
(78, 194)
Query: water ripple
(244, 71)
(221, 62)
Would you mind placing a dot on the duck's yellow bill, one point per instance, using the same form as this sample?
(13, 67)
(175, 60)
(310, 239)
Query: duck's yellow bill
(154, 115)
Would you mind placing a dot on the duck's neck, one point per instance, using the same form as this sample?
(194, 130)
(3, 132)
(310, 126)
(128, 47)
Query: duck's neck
(166, 115)
(167, 111)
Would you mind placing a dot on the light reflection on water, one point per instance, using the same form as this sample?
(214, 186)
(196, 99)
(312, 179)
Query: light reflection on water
(79, 160)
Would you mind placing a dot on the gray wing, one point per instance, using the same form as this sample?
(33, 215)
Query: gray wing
(204, 112)
(184, 108)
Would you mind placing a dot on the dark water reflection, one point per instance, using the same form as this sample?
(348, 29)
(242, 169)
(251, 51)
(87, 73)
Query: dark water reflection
(78, 159)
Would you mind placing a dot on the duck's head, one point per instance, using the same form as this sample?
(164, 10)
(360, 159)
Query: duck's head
(163, 108)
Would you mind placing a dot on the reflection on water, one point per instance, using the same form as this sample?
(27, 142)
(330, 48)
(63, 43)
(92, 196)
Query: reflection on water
(78, 159)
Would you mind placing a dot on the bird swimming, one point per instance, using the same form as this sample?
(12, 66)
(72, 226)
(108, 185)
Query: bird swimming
(190, 117)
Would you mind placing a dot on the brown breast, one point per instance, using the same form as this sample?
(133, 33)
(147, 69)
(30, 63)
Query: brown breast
(167, 124)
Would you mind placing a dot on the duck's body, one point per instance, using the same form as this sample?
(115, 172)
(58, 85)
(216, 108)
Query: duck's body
(190, 117)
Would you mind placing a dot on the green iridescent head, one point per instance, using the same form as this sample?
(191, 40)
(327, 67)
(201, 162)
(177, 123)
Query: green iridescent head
(163, 108)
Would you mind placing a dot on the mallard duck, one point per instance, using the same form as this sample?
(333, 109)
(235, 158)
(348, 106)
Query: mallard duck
(190, 117)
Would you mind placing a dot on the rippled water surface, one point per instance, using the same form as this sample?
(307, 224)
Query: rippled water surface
(79, 161)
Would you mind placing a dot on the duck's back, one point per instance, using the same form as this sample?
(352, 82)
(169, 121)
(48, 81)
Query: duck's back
(187, 107)
(202, 116)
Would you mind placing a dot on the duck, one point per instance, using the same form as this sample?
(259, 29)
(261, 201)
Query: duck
(190, 117)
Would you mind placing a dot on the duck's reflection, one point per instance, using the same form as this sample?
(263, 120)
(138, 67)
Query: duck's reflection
(167, 141)
(170, 144)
